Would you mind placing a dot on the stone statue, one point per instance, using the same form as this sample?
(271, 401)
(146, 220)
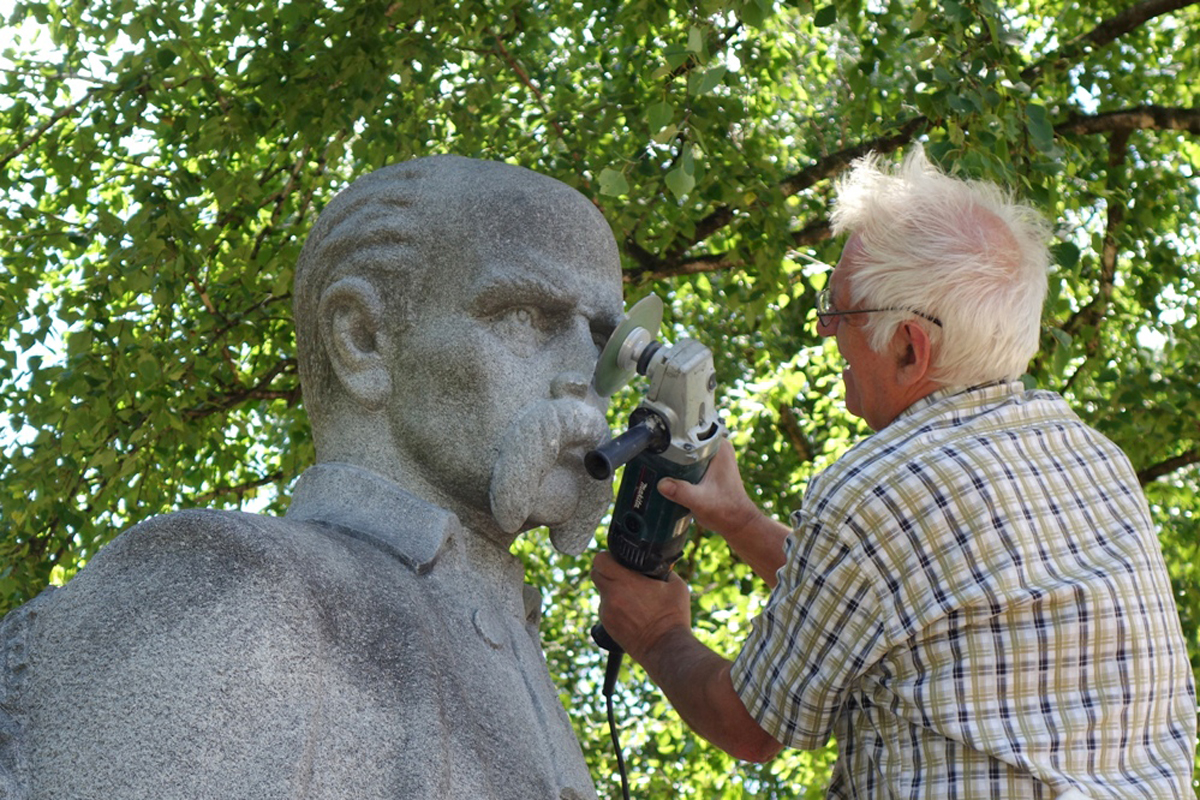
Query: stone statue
(378, 640)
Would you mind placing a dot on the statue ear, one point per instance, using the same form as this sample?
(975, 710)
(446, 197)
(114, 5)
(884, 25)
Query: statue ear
(350, 316)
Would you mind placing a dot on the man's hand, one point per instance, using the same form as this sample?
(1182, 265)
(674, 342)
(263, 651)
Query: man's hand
(652, 622)
(720, 503)
(638, 611)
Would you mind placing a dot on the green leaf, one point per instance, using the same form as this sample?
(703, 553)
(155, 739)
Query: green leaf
(1062, 337)
(704, 82)
(659, 115)
(680, 181)
(1041, 131)
(754, 13)
(676, 57)
(1066, 254)
(613, 183)
(927, 52)
(666, 134)
(825, 16)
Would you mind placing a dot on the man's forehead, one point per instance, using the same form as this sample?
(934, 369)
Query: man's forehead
(846, 265)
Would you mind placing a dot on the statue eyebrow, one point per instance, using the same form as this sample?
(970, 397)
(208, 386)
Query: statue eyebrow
(495, 293)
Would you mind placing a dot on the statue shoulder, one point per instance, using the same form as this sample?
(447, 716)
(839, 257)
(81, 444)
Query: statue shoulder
(180, 566)
(200, 532)
(185, 631)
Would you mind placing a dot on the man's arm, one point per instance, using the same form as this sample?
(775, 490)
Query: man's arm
(720, 504)
(651, 620)
(701, 690)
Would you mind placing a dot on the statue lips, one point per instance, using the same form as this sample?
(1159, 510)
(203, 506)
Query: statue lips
(539, 477)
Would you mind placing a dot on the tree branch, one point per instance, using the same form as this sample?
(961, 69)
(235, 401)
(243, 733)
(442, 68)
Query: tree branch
(1139, 118)
(523, 76)
(835, 163)
(675, 262)
(1094, 312)
(45, 126)
(813, 232)
(714, 262)
(280, 198)
(239, 489)
(790, 427)
(1106, 32)
(259, 391)
(1174, 464)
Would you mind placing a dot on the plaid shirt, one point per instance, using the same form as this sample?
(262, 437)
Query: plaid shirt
(975, 604)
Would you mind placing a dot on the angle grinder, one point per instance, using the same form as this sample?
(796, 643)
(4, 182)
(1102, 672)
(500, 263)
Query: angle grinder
(673, 433)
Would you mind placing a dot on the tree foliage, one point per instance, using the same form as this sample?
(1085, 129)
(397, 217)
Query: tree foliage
(163, 162)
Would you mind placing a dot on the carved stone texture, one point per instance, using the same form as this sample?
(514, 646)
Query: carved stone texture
(378, 640)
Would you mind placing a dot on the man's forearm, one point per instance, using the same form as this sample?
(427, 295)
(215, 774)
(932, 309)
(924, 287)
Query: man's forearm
(759, 542)
(698, 683)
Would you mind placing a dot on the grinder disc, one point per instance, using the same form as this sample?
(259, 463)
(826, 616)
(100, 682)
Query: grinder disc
(646, 313)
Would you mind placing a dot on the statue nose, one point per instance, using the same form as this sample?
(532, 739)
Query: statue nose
(569, 384)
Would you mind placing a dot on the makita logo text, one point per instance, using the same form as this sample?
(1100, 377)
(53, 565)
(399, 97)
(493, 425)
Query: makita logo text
(645, 481)
(639, 499)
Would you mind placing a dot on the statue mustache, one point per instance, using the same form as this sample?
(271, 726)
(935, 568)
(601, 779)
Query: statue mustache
(531, 448)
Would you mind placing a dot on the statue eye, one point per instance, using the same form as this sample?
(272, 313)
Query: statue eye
(523, 328)
(522, 315)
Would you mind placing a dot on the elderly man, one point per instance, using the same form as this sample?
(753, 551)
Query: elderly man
(972, 600)
(378, 641)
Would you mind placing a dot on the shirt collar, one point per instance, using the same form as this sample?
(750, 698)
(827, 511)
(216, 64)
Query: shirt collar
(984, 392)
(374, 509)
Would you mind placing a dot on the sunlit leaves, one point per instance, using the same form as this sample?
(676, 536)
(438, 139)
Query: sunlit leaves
(163, 163)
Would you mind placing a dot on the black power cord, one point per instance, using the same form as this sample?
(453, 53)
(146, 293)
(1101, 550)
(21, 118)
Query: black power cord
(611, 670)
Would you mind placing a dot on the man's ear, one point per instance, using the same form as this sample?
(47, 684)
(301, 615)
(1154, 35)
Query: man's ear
(351, 319)
(916, 353)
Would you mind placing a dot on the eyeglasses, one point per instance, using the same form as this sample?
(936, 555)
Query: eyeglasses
(825, 309)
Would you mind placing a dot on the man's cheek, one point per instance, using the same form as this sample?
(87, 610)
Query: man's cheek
(850, 389)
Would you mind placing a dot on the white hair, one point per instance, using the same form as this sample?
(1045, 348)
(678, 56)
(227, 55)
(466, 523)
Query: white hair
(962, 251)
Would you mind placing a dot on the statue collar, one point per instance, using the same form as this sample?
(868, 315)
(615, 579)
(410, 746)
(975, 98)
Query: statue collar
(370, 507)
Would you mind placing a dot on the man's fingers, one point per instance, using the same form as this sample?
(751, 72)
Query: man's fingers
(675, 490)
(604, 566)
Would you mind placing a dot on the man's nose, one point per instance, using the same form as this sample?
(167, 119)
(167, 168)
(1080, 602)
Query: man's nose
(828, 326)
(569, 384)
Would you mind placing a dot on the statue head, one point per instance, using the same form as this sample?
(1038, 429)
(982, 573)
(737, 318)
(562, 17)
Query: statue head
(449, 316)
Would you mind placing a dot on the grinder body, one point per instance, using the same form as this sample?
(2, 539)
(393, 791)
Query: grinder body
(648, 531)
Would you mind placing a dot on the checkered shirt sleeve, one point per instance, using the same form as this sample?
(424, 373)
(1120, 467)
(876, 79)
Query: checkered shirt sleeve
(974, 604)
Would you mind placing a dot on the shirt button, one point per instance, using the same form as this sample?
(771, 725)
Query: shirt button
(488, 625)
